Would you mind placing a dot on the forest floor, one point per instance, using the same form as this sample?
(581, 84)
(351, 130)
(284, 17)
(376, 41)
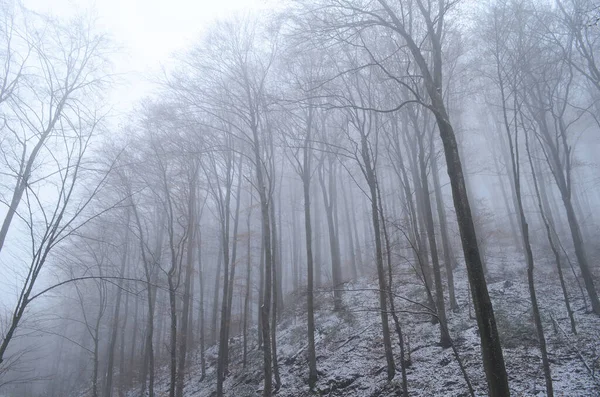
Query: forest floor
(350, 356)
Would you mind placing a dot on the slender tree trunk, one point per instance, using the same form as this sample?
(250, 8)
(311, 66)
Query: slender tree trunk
(509, 210)
(173, 334)
(588, 277)
(334, 248)
(201, 328)
(248, 286)
(550, 238)
(261, 288)
(428, 212)
(514, 154)
(95, 368)
(115, 326)
(279, 258)
(411, 212)
(149, 271)
(318, 260)
(268, 271)
(189, 272)
(124, 372)
(560, 165)
(225, 213)
(312, 361)
(233, 267)
(276, 291)
(448, 260)
(353, 252)
(358, 251)
(133, 344)
(215, 308)
(372, 182)
(295, 244)
(398, 328)
(420, 228)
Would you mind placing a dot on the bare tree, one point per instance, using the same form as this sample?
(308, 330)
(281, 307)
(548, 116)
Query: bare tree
(424, 44)
(61, 218)
(64, 65)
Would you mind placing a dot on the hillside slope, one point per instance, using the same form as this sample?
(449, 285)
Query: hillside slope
(350, 352)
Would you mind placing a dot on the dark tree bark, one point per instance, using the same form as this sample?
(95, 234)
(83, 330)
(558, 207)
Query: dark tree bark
(233, 267)
(310, 305)
(214, 329)
(441, 211)
(108, 387)
(123, 369)
(334, 244)
(224, 205)
(353, 251)
(551, 239)
(201, 327)
(398, 327)
(513, 133)
(445, 341)
(189, 272)
(248, 296)
(276, 266)
(371, 178)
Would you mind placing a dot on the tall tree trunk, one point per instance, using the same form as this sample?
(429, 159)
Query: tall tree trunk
(507, 204)
(261, 288)
(278, 232)
(445, 341)
(491, 348)
(268, 271)
(358, 251)
(441, 211)
(201, 327)
(233, 267)
(334, 248)
(224, 214)
(215, 309)
(411, 212)
(124, 372)
(172, 334)
(115, 326)
(420, 228)
(318, 260)
(276, 292)
(149, 272)
(588, 277)
(550, 238)
(353, 252)
(312, 361)
(95, 368)
(397, 326)
(133, 344)
(247, 315)
(372, 182)
(514, 157)
(560, 163)
(189, 272)
(295, 243)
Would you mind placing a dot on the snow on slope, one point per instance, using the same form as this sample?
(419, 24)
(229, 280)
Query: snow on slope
(350, 355)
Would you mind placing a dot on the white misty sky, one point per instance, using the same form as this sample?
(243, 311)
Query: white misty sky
(148, 31)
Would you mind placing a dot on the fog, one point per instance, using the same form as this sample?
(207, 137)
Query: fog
(192, 192)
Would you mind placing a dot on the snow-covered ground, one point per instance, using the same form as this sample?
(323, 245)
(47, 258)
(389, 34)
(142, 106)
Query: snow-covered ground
(350, 355)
